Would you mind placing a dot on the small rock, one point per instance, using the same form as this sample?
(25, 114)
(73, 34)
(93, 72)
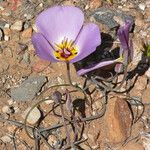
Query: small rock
(6, 109)
(1, 8)
(41, 4)
(94, 4)
(27, 33)
(7, 25)
(118, 120)
(142, 6)
(49, 102)
(6, 38)
(53, 141)
(26, 57)
(28, 89)
(17, 25)
(6, 139)
(34, 115)
(28, 16)
(26, 25)
(106, 16)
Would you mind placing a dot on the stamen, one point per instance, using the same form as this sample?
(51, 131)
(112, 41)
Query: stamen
(66, 50)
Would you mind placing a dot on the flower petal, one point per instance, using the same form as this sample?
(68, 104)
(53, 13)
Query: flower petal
(59, 22)
(42, 47)
(99, 65)
(89, 38)
(123, 35)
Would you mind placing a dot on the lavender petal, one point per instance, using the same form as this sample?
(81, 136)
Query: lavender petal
(43, 48)
(87, 41)
(59, 22)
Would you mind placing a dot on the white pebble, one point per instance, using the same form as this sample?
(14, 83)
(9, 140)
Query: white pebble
(49, 102)
(34, 115)
(6, 139)
(7, 25)
(17, 25)
(41, 4)
(10, 102)
(6, 38)
(142, 6)
(6, 109)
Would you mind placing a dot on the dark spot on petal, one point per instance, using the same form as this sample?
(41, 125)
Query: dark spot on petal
(57, 57)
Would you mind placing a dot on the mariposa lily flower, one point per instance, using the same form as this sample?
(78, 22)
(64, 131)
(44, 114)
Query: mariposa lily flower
(62, 36)
(126, 50)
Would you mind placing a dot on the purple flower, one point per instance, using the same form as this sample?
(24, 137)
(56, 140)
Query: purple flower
(98, 65)
(126, 50)
(62, 35)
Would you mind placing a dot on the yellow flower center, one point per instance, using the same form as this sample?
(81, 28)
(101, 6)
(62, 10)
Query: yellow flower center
(66, 50)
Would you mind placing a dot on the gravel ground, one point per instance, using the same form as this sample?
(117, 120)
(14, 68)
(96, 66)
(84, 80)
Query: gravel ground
(30, 115)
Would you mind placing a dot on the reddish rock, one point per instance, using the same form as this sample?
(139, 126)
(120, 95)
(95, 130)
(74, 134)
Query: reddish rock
(94, 4)
(40, 65)
(118, 120)
(27, 33)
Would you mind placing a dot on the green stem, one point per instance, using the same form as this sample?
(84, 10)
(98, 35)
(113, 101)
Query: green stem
(68, 73)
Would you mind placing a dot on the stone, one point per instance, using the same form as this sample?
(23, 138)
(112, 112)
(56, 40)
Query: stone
(118, 120)
(142, 6)
(94, 4)
(18, 25)
(6, 139)
(28, 89)
(6, 109)
(6, 38)
(27, 33)
(26, 57)
(34, 115)
(7, 25)
(106, 16)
